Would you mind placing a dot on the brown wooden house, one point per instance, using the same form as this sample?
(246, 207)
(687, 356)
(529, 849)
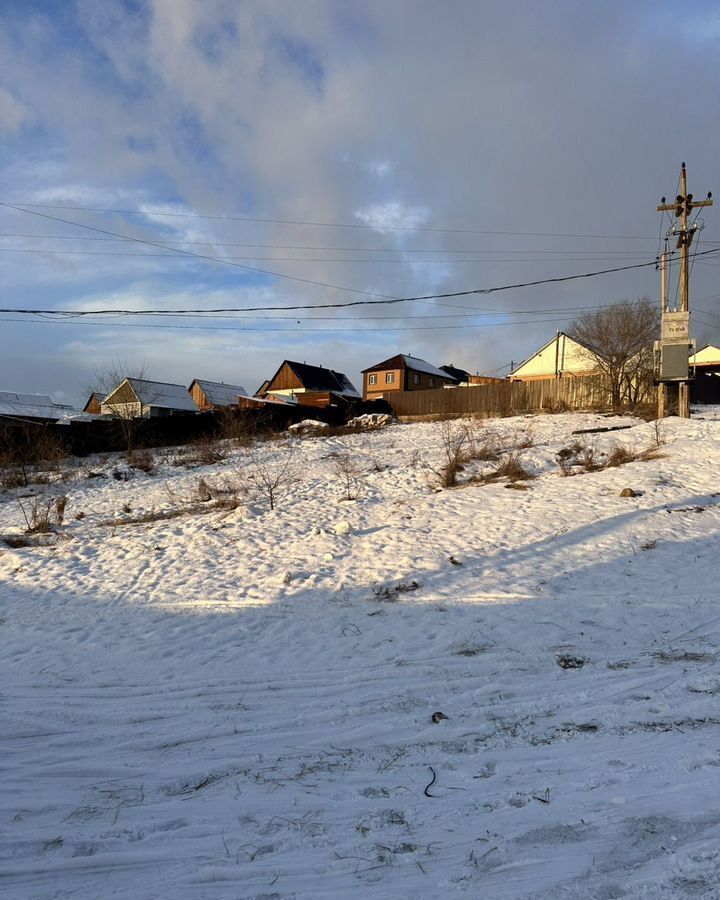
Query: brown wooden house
(402, 373)
(308, 385)
(93, 404)
(213, 395)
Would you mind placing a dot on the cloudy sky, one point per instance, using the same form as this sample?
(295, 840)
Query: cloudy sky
(206, 154)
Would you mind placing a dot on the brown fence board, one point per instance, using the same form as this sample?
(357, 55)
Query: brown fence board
(505, 398)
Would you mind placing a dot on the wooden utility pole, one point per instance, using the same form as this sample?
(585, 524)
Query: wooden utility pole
(676, 324)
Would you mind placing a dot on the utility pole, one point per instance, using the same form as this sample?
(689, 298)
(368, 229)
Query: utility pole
(674, 345)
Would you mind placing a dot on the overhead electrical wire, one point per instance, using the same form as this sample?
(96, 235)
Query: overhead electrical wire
(353, 330)
(47, 251)
(299, 222)
(189, 253)
(213, 242)
(375, 302)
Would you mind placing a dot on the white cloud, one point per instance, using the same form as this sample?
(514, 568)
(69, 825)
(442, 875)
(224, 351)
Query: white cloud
(12, 113)
(384, 217)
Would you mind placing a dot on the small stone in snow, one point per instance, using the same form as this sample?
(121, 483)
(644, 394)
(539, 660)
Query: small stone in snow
(342, 528)
(629, 492)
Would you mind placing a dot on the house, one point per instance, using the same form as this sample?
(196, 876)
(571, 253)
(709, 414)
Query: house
(213, 395)
(308, 385)
(459, 375)
(706, 360)
(402, 373)
(138, 398)
(561, 357)
(705, 367)
(93, 404)
(465, 379)
(19, 408)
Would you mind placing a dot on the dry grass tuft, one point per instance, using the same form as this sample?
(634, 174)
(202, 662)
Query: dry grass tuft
(142, 460)
(43, 514)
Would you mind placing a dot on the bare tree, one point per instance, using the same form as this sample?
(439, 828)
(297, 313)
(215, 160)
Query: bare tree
(619, 340)
(273, 469)
(122, 405)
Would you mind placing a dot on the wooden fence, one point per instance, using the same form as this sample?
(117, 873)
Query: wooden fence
(505, 398)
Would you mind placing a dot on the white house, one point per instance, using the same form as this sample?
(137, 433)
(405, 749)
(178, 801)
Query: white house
(561, 357)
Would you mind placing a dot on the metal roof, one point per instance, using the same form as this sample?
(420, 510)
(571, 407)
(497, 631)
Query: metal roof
(404, 361)
(220, 394)
(32, 406)
(161, 395)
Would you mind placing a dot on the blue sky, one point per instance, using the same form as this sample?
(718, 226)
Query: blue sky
(458, 145)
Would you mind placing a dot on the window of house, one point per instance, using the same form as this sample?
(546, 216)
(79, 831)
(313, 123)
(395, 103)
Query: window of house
(389, 377)
(372, 379)
(416, 379)
(431, 382)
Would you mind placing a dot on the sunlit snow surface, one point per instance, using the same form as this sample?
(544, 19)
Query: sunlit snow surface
(227, 705)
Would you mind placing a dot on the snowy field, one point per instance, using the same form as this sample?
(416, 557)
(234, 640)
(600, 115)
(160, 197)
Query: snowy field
(238, 703)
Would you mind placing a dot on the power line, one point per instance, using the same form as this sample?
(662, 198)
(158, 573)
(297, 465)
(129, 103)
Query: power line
(227, 218)
(383, 301)
(190, 253)
(353, 330)
(220, 243)
(48, 251)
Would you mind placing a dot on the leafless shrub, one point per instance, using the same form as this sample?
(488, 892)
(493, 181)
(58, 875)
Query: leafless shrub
(240, 427)
(567, 459)
(511, 468)
(273, 470)
(555, 406)
(42, 514)
(658, 433)
(28, 453)
(588, 459)
(524, 440)
(454, 442)
(204, 494)
(619, 456)
(224, 494)
(142, 460)
(207, 451)
(350, 475)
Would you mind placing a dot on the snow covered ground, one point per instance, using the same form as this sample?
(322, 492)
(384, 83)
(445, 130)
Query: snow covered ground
(239, 703)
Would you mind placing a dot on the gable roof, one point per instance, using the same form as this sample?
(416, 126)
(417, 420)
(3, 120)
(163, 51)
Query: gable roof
(31, 406)
(709, 355)
(218, 393)
(549, 343)
(405, 361)
(317, 378)
(159, 394)
(458, 374)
